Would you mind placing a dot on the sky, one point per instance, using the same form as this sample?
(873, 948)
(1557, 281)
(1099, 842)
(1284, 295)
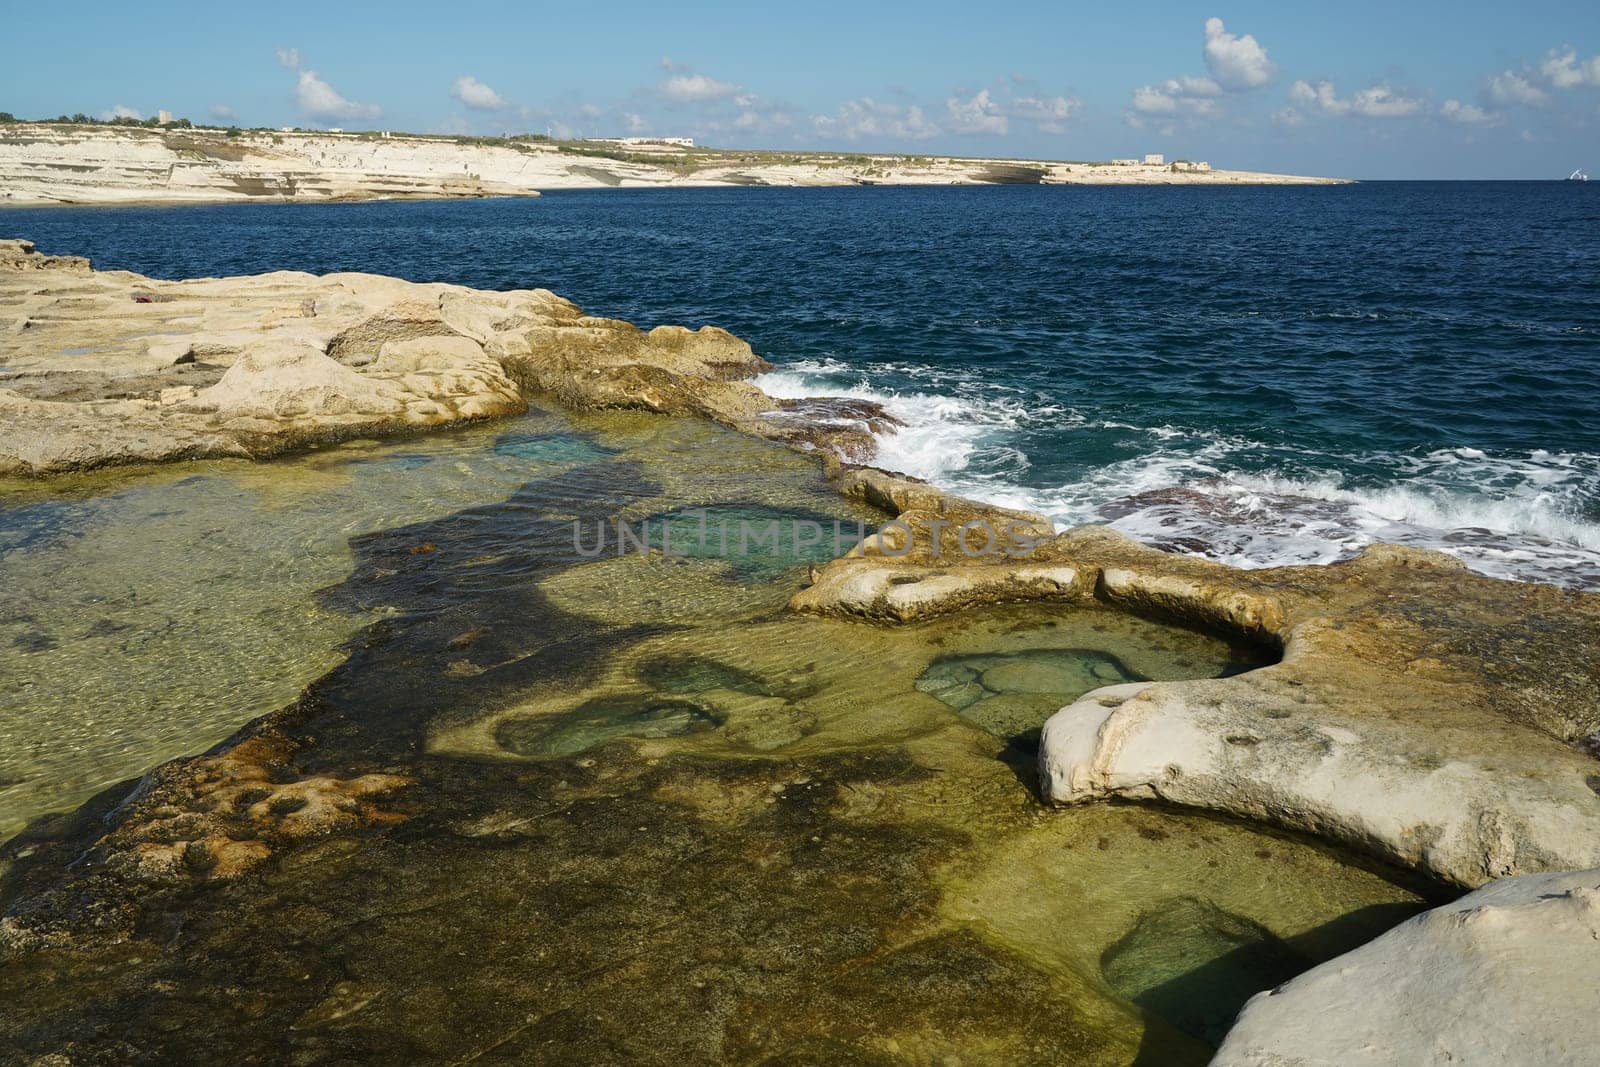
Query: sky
(1465, 89)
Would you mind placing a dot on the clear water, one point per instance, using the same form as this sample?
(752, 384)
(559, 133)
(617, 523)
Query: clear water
(1260, 375)
(632, 777)
(150, 614)
(148, 617)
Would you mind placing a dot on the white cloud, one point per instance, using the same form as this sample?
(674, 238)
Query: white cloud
(694, 88)
(634, 122)
(319, 100)
(1509, 87)
(222, 111)
(1050, 114)
(867, 117)
(1320, 97)
(1382, 102)
(474, 94)
(1562, 69)
(756, 116)
(1467, 114)
(1187, 95)
(1288, 117)
(1236, 62)
(980, 114)
(1192, 85)
(1376, 102)
(121, 111)
(316, 98)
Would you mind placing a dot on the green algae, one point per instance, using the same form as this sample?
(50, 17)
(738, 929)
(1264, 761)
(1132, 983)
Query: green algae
(651, 816)
(598, 721)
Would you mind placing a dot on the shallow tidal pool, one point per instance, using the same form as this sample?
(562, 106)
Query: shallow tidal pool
(652, 815)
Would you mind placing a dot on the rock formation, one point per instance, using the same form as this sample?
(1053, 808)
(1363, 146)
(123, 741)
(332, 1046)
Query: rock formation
(1506, 974)
(110, 367)
(1420, 713)
(54, 163)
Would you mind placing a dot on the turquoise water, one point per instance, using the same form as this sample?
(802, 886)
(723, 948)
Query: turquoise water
(1260, 375)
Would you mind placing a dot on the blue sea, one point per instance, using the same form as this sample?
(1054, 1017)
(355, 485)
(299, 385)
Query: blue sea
(1258, 375)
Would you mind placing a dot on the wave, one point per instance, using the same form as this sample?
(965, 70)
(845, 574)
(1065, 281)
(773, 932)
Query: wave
(1528, 516)
(944, 433)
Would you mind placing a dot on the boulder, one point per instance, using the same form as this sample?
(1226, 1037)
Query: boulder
(1506, 974)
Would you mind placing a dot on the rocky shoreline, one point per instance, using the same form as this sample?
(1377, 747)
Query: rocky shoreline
(1418, 713)
(109, 368)
(56, 164)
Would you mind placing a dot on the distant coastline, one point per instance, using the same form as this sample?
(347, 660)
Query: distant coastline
(68, 163)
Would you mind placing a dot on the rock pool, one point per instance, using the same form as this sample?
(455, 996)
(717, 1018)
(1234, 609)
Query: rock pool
(523, 804)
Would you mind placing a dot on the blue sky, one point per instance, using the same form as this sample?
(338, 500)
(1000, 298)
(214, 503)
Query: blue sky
(1463, 89)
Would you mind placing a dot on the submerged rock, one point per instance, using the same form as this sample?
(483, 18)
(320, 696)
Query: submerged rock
(1506, 974)
(598, 721)
(1194, 964)
(1011, 693)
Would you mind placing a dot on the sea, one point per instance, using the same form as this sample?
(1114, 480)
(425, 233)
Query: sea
(1258, 375)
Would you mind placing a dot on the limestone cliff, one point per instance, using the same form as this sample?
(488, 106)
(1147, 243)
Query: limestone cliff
(63, 164)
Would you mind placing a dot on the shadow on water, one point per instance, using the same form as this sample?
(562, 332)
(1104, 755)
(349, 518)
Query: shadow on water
(1216, 961)
(466, 624)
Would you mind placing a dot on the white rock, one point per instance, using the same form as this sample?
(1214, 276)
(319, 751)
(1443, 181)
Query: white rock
(1506, 975)
(1255, 746)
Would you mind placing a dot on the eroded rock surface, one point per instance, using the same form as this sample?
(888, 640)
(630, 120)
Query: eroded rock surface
(110, 367)
(1421, 713)
(1504, 975)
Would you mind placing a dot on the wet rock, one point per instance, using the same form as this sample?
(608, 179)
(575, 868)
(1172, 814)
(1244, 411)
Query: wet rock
(1421, 713)
(845, 427)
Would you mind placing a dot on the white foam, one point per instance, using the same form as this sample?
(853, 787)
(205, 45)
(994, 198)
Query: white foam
(1507, 515)
(943, 433)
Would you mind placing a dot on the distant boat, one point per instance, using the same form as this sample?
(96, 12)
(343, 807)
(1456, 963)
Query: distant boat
(1577, 176)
